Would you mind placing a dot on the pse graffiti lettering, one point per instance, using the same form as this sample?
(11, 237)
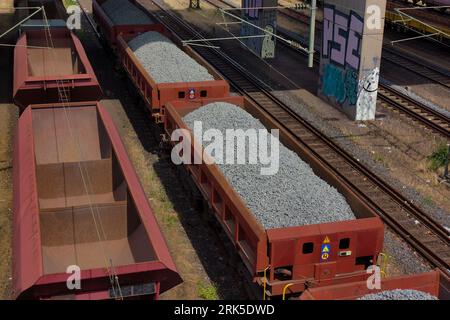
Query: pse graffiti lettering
(341, 47)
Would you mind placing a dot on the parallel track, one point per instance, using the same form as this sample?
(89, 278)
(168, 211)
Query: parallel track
(424, 234)
(391, 98)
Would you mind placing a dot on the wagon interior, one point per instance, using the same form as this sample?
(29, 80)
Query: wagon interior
(47, 60)
(87, 214)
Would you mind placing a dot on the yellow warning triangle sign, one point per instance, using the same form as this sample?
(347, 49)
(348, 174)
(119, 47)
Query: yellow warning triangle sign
(327, 240)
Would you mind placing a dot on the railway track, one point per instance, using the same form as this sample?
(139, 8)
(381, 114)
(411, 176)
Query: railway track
(391, 98)
(418, 229)
(426, 15)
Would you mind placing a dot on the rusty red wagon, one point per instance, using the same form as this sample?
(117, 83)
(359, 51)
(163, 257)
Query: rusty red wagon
(110, 30)
(434, 283)
(156, 95)
(52, 68)
(279, 255)
(78, 203)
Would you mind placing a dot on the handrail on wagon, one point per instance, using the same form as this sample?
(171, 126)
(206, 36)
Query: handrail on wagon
(383, 261)
(285, 288)
(265, 282)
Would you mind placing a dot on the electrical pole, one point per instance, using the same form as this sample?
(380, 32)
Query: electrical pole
(312, 28)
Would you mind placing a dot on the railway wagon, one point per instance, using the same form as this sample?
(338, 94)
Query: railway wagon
(110, 30)
(78, 202)
(287, 259)
(52, 68)
(156, 95)
(433, 283)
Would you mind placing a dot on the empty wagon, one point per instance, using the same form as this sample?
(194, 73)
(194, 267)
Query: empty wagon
(52, 67)
(79, 206)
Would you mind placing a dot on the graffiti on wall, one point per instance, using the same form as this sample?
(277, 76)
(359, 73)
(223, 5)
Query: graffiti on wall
(340, 84)
(341, 47)
(367, 94)
(259, 20)
(268, 44)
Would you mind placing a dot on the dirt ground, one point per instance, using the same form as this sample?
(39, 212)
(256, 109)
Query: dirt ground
(8, 120)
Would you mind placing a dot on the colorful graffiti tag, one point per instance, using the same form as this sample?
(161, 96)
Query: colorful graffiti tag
(259, 20)
(341, 47)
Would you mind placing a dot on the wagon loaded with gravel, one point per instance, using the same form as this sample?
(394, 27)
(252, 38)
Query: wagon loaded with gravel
(301, 227)
(163, 70)
(125, 17)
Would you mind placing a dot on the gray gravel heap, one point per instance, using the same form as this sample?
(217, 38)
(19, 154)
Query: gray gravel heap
(294, 196)
(399, 294)
(165, 62)
(122, 12)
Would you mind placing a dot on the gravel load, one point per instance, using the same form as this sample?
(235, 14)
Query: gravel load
(399, 294)
(123, 12)
(165, 62)
(294, 196)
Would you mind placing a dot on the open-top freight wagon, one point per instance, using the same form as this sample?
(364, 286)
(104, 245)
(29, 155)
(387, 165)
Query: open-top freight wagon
(52, 68)
(111, 24)
(290, 258)
(79, 210)
(434, 283)
(155, 95)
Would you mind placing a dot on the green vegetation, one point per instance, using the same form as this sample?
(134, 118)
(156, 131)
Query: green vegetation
(437, 159)
(170, 219)
(207, 292)
(162, 197)
(68, 3)
(428, 201)
(379, 158)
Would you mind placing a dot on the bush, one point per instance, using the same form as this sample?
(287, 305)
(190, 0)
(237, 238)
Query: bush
(438, 158)
(208, 292)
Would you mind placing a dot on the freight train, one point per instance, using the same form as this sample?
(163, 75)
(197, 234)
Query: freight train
(283, 261)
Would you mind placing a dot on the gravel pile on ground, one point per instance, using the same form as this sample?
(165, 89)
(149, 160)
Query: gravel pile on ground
(294, 196)
(122, 12)
(399, 294)
(165, 62)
